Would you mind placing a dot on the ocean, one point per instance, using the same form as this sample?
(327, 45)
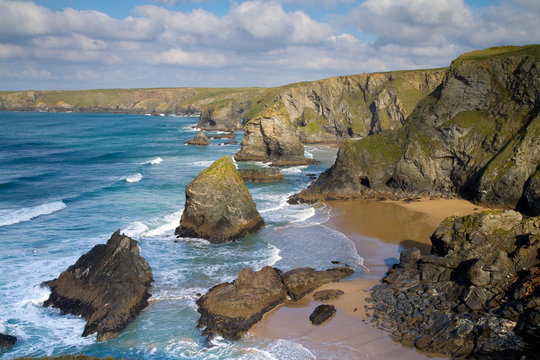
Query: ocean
(69, 180)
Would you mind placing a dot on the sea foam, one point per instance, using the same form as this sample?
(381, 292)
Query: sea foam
(134, 178)
(155, 161)
(9, 217)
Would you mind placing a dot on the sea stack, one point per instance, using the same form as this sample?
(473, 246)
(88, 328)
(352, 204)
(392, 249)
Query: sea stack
(108, 286)
(200, 139)
(218, 205)
(271, 137)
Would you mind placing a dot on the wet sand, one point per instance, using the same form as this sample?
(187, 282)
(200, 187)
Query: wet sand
(379, 231)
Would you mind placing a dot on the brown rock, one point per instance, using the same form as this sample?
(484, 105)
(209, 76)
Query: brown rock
(218, 205)
(322, 313)
(262, 175)
(325, 295)
(108, 286)
(200, 139)
(302, 281)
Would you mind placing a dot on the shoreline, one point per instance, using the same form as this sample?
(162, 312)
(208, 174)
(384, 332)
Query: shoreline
(379, 231)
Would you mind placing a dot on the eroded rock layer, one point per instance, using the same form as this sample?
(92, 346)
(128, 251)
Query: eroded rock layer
(108, 286)
(477, 294)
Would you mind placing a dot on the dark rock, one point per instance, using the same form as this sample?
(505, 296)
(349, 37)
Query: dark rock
(302, 281)
(325, 295)
(322, 313)
(224, 136)
(475, 136)
(7, 340)
(231, 309)
(218, 205)
(476, 295)
(108, 286)
(200, 139)
(263, 175)
(231, 142)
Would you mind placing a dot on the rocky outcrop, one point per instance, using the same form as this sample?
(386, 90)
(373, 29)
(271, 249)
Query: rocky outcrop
(7, 340)
(200, 139)
(271, 138)
(322, 313)
(108, 286)
(477, 294)
(231, 309)
(263, 175)
(218, 205)
(224, 115)
(302, 281)
(224, 136)
(477, 136)
(325, 295)
(531, 201)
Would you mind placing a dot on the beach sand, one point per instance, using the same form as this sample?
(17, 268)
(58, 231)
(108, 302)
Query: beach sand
(379, 231)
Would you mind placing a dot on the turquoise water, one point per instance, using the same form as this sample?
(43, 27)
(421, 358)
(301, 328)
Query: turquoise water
(69, 180)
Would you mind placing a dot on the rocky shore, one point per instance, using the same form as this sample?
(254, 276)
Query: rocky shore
(263, 175)
(231, 309)
(108, 286)
(477, 293)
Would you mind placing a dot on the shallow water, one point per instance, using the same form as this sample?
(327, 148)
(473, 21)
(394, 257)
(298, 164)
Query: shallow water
(69, 180)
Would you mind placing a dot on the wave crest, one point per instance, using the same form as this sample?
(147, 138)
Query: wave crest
(134, 178)
(9, 217)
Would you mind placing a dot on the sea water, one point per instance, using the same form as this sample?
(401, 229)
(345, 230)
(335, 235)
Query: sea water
(69, 180)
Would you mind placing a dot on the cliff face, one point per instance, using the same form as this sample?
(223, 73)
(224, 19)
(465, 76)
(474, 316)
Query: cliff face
(477, 136)
(349, 106)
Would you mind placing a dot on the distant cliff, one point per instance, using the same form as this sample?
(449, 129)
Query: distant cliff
(349, 106)
(220, 107)
(477, 136)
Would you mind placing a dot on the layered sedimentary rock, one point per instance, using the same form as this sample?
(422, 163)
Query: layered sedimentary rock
(263, 175)
(108, 286)
(477, 294)
(218, 205)
(271, 137)
(476, 136)
(200, 139)
(231, 309)
(224, 115)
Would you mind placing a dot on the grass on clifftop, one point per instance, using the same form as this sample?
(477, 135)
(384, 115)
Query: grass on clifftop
(480, 55)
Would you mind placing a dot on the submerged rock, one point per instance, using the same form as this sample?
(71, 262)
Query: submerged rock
(231, 309)
(200, 139)
(7, 340)
(218, 205)
(322, 313)
(263, 175)
(476, 295)
(108, 286)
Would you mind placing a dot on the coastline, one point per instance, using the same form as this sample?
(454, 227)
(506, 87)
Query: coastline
(379, 231)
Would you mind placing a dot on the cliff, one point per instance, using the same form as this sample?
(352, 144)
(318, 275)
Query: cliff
(476, 136)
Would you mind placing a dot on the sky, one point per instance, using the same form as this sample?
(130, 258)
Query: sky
(82, 44)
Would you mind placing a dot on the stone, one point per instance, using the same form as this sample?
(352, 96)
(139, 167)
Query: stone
(302, 281)
(271, 138)
(200, 139)
(218, 205)
(325, 295)
(7, 340)
(263, 175)
(223, 136)
(108, 286)
(231, 309)
(322, 313)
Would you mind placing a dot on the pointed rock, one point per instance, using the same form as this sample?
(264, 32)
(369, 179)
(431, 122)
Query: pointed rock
(200, 139)
(218, 205)
(108, 286)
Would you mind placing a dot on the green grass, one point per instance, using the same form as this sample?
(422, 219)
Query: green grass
(484, 54)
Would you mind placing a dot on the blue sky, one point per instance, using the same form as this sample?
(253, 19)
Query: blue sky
(76, 44)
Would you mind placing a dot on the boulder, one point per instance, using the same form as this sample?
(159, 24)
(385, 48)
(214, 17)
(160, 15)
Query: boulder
(271, 137)
(200, 139)
(322, 313)
(475, 295)
(108, 286)
(218, 205)
(223, 136)
(263, 175)
(7, 340)
(231, 309)
(302, 281)
(325, 295)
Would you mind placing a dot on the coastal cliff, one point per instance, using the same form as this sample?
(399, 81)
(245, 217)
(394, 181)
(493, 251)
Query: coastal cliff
(476, 136)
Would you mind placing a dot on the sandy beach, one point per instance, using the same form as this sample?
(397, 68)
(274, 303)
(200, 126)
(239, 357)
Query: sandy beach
(379, 231)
